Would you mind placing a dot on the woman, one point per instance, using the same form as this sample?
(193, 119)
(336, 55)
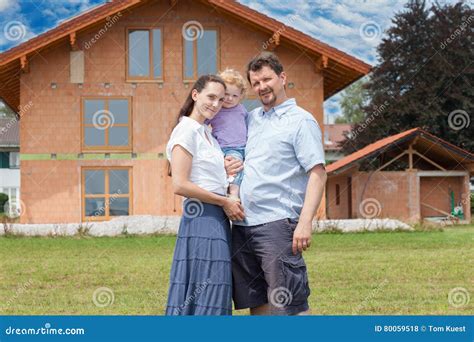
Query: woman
(201, 277)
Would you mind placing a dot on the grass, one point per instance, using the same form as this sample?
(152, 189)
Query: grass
(363, 273)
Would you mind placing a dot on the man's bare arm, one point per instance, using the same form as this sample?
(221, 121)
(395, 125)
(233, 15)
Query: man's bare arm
(312, 200)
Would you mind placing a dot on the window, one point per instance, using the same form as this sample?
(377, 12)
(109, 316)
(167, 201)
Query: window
(338, 194)
(14, 160)
(200, 55)
(327, 141)
(13, 206)
(106, 192)
(106, 124)
(4, 160)
(144, 54)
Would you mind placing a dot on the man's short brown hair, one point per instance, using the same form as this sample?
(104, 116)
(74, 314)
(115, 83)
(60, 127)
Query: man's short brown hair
(264, 59)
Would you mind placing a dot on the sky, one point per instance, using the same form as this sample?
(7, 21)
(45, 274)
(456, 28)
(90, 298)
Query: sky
(353, 26)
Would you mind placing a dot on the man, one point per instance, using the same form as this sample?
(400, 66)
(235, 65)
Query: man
(282, 187)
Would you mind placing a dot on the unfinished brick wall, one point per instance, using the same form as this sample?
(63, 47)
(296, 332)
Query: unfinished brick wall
(390, 191)
(50, 190)
(436, 192)
(338, 209)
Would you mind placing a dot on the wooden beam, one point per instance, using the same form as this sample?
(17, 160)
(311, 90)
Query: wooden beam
(391, 161)
(321, 63)
(439, 211)
(470, 167)
(173, 3)
(442, 173)
(410, 157)
(429, 160)
(273, 42)
(73, 41)
(25, 66)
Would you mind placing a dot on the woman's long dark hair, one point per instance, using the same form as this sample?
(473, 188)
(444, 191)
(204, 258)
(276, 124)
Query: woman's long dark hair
(188, 105)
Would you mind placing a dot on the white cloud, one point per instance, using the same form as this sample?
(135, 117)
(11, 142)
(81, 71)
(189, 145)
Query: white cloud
(14, 26)
(6, 4)
(337, 23)
(9, 8)
(48, 12)
(54, 12)
(346, 14)
(325, 26)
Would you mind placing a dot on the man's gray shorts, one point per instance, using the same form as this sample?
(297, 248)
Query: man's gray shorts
(264, 269)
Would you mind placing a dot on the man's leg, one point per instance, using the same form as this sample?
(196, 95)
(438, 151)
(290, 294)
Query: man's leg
(249, 287)
(304, 313)
(285, 273)
(265, 310)
(268, 278)
(262, 310)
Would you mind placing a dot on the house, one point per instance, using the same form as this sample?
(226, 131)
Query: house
(333, 136)
(99, 95)
(410, 176)
(10, 159)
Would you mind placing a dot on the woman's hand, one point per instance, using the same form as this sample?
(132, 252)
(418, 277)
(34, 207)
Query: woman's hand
(233, 210)
(232, 165)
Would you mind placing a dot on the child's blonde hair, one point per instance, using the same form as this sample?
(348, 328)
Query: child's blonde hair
(232, 76)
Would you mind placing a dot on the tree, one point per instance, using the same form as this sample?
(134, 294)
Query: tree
(425, 77)
(353, 100)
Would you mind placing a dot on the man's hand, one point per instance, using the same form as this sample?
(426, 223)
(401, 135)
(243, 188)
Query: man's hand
(232, 166)
(234, 210)
(302, 237)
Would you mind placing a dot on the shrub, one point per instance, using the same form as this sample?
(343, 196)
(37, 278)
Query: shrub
(3, 200)
(472, 202)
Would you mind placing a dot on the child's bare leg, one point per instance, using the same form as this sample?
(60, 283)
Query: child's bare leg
(234, 191)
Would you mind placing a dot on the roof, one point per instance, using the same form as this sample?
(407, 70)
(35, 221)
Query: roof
(9, 132)
(425, 143)
(340, 71)
(333, 134)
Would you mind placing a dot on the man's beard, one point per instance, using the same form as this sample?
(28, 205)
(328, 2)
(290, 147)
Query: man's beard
(270, 100)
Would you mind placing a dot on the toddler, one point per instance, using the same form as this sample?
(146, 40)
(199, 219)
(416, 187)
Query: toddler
(229, 126)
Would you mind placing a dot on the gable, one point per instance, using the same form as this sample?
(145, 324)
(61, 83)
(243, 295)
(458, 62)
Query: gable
(338, 69)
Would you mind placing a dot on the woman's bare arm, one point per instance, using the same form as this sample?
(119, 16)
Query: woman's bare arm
(181, 170)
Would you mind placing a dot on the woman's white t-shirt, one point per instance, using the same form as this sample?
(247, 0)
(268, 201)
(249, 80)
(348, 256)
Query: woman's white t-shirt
(207, 170)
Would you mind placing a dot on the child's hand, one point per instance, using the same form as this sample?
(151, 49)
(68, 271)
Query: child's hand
(232, 165)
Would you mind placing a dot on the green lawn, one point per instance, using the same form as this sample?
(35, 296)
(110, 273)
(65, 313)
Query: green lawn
(365, 273)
